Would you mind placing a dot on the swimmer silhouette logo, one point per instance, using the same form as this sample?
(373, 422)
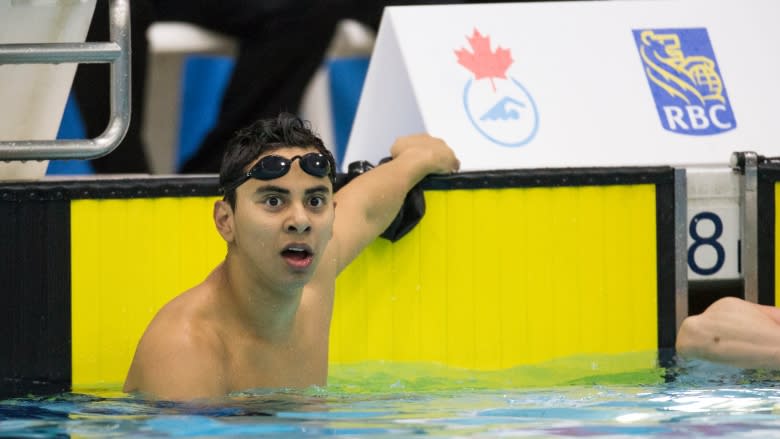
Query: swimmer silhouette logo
(685, 80)
(500, 109)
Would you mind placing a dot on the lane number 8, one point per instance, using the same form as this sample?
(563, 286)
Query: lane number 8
(712, 241)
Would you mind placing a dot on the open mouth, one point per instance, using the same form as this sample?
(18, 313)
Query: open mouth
(298, 255)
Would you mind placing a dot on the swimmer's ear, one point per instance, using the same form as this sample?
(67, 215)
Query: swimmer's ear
(223, 219)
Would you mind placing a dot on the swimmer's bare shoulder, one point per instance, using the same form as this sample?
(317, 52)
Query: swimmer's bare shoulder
(179, 357)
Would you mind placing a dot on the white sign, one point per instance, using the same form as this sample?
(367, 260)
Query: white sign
(559, 84)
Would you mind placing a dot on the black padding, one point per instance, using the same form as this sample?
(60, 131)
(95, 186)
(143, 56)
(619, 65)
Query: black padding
(35, 313)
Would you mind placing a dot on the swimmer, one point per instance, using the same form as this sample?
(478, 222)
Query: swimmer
(261, 318)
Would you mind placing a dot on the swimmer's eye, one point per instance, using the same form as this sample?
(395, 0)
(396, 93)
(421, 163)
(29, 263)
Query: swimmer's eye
(273, 201)
(317, 201)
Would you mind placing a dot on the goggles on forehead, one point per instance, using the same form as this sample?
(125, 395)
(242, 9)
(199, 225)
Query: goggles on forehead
(275, 166)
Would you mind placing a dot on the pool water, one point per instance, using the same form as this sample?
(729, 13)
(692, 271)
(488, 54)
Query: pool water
(702, 400)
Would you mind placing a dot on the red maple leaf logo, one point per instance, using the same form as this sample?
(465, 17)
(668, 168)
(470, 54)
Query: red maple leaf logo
(483, 62)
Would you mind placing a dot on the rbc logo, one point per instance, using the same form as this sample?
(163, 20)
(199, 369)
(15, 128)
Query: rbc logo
(685, 80)
(500, 109)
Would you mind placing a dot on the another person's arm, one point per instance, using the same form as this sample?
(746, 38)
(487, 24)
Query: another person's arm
(734, 332)
(367, 205)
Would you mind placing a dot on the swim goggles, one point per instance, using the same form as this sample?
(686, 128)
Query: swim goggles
(274, 166)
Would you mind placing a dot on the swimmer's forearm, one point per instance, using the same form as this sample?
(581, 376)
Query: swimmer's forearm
(414, 158)
(367, 205)
(732, 332)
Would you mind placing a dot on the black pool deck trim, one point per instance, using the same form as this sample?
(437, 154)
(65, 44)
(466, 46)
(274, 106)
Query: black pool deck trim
(556, 177)
(110, 188)
(666, 266)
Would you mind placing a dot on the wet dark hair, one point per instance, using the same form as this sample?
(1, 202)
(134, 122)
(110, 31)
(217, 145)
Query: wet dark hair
(262, 137)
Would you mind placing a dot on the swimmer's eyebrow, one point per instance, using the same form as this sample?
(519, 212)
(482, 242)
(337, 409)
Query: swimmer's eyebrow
(316, 189)
(272, 188)
(280, 190)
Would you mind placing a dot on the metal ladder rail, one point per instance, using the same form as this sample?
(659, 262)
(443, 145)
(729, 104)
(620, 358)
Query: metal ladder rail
(116, 52)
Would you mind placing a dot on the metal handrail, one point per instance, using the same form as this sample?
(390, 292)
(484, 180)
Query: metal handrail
(116, 52)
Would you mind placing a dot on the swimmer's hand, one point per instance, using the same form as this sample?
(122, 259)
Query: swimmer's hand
(431, 155)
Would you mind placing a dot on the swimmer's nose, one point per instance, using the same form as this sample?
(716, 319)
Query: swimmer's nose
(298, 221)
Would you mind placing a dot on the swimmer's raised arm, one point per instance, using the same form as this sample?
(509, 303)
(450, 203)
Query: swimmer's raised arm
(367, 205)
(735, 332)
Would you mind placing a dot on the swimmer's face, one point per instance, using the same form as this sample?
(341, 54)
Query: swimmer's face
(283, 225)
